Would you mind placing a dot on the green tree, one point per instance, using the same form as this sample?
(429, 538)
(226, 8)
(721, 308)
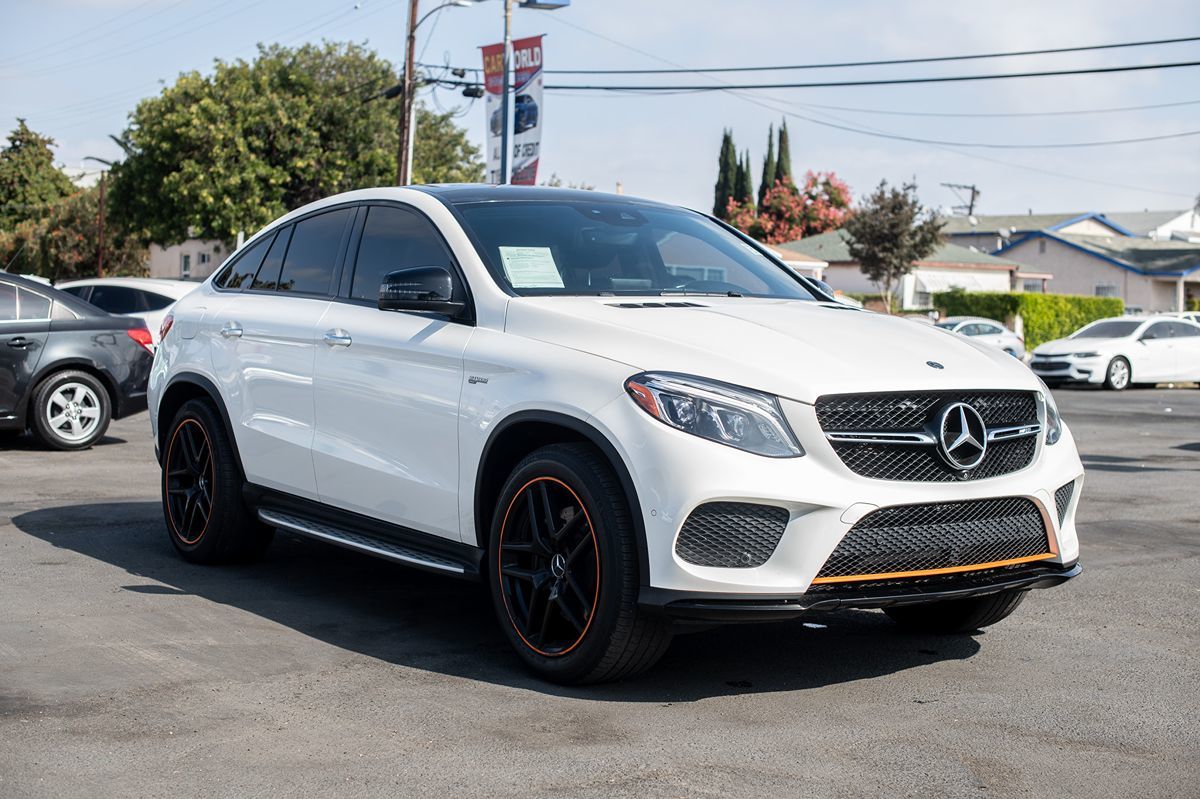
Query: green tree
(768, 170)
(232, 150)
(64, 242)
(745, 188)
(726, 175)
(889, 233)
(29, 180)
(783, 167)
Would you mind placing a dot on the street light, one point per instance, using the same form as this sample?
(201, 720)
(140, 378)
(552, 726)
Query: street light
(103, 176)
(407, 132)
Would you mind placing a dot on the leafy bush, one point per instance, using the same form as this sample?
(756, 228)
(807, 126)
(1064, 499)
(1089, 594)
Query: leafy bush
(1046, 316)
(1193, 305)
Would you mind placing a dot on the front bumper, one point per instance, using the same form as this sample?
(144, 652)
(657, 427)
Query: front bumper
(1068, 369)
(674, 473)
(698, 607)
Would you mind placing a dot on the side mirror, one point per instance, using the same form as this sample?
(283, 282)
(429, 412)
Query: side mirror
(823, 286)
(420, 288)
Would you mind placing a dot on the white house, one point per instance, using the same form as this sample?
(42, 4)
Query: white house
(194, 259)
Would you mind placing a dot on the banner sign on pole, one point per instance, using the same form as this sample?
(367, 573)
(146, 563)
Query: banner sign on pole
(525, 138)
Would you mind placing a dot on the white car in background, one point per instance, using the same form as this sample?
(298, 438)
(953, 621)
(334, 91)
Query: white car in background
(1190, 316)
(147, 298)
(1121, 351)
(986, 331)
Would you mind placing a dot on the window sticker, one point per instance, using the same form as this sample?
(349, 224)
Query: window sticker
(530, 268)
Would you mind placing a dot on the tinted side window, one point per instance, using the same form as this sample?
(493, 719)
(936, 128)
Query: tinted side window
(312, 255)
(1159, 330)
(8, 302)
(34, 306)
(267, 278)
(78, 291)
(239, 273)
(1178, 329)
(393, 239)
(155, 302)
(117, 299)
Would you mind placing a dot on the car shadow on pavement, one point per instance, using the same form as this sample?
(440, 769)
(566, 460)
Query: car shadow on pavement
(438, 624)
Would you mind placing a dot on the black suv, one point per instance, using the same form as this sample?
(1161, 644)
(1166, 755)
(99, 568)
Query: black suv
(67, 368)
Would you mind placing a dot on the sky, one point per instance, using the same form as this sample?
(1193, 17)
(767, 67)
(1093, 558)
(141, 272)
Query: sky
(76, 68)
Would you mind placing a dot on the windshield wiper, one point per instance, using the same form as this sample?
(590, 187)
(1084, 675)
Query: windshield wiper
(698, 293)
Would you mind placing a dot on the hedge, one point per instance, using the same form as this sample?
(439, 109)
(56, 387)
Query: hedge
(1193, 305)
(1046, 316)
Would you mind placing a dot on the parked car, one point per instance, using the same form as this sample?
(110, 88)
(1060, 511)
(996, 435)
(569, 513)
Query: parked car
(1190, 316)
(986, 331)
(1122, 351)
(148, 299)
(66, 367)
(521, 385)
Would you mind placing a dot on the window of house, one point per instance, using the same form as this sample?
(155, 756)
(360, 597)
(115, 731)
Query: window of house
(203, 258)
(1041, 246)
(922, 299)
(1107, 290)
(1032, 286)
(185, 266)
(312, 255)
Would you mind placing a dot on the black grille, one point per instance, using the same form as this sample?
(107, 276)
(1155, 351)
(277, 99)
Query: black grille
(1049, 366)
(1062, 499)
(918, 412)
(733, 535)
(947, 535)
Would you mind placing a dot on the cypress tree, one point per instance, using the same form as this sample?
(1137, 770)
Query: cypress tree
(739, 177)
(768, 170)
(745, 190)
(783, 168)
(726, 176)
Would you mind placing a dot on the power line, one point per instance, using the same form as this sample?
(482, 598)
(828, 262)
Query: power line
(875, 63)
(876, 82)
(1005, 114)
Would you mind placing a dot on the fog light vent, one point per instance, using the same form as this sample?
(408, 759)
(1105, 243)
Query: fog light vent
(1062, 500)
(731, 535)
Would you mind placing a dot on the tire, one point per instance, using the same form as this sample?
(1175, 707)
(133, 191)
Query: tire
(206, 518)
(565, 590)
(957, 615)
(71, 410)
(1118, 376)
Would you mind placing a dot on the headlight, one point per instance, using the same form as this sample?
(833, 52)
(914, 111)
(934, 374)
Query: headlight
(1087, 355)
(1054, 425)
(737, 417)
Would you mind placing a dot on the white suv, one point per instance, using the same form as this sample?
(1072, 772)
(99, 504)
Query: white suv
(625, 417)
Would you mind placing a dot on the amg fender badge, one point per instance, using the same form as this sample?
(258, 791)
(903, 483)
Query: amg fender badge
(473, 379)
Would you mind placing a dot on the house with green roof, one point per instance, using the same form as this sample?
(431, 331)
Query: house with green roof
(993, 232)
(950, 266)
(1148, 274)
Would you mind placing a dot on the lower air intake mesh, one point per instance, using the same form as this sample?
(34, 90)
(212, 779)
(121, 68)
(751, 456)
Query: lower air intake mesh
(732, 535)
(950, 536)
(1062, 500)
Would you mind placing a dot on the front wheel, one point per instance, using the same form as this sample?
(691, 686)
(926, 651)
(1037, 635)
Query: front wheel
(564, 570)
(1117, 377)
(957, 615)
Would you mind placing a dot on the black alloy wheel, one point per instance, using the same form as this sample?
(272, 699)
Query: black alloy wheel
(549, 566)
(189, 475)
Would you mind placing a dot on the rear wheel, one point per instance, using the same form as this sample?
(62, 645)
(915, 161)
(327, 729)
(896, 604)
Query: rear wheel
(957, 615)
(71, 410)
(564, 570)
(1117, 377)
(201, 491)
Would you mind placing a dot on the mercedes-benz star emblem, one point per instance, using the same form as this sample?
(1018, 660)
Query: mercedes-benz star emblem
(558, 565)
(962, 436)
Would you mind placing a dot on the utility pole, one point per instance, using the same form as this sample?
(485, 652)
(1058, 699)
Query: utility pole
(100, 255)
(407, 100)
(508, 5)
(968, 204)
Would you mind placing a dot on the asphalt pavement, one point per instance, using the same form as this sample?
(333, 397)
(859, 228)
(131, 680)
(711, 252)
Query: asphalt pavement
(125, 671)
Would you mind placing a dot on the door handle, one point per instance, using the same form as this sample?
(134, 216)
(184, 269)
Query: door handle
(19, 342)
(338, 338)
(232, 330)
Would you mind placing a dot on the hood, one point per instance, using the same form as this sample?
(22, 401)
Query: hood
(1066, 346)
(794, 349)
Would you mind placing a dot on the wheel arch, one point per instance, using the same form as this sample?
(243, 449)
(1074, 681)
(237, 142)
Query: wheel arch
(516, 436)
(180, 389)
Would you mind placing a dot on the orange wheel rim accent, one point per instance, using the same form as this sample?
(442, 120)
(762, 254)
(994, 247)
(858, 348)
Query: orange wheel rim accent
(189, 475)
(543, 575)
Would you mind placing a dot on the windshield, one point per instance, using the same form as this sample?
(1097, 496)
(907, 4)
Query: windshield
(581, 248)
(1108, 330)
